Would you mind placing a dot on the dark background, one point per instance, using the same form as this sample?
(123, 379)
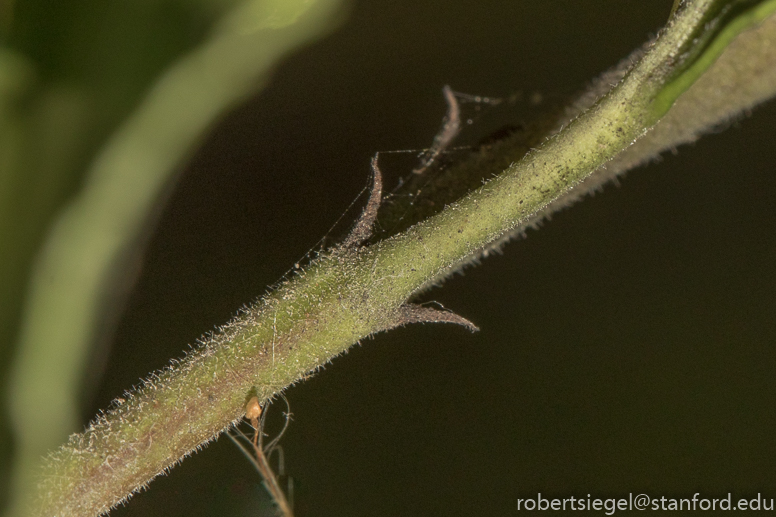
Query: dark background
(625, 347)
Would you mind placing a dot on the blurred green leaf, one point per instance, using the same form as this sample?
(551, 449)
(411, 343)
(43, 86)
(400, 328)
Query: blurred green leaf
(123, 93)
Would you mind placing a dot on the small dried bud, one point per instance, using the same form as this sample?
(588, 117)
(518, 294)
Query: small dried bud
(253, 409)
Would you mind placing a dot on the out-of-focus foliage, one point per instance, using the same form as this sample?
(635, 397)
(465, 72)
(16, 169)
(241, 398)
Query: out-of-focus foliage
(99, 104)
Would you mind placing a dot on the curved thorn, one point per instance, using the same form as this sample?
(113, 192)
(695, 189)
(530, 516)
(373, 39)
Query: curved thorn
(412, 313)
(363, 227)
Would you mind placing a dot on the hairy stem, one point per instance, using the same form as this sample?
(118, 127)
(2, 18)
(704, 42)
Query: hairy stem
(355, 291)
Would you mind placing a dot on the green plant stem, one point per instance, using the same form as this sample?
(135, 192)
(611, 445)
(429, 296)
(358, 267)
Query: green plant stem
(354, 292)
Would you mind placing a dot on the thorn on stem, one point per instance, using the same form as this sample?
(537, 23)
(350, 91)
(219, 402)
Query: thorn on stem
(412, 313)
(450, 129)
(365, 224)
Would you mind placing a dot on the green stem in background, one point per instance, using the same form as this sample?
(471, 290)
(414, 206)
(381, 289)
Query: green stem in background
(721, 25)
(122, 188)
(356, 291)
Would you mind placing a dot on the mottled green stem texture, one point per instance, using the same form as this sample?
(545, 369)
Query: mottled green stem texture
(354, 291)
